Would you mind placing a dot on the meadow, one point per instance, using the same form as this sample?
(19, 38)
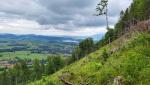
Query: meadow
(22, 55)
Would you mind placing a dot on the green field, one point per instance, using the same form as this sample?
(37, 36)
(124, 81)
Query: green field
(22, 55)
(32, 46)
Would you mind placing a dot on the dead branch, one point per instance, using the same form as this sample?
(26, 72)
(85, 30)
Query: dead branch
(65, 82)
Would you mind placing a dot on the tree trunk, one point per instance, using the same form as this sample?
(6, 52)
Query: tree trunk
(107, 17)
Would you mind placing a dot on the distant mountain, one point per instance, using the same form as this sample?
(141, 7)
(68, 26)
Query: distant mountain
(40, 38)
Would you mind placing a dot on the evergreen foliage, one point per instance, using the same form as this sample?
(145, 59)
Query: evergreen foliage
(138, 11)
(85, 47)
(22, 73)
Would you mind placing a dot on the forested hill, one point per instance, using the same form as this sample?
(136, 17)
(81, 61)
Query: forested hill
(32, 37)
(138, 11)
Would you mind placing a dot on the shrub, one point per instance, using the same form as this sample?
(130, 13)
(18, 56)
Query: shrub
(104, 56)
(1, 55)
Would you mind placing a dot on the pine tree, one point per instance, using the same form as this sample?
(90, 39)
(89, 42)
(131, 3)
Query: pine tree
(50, 68)
(36, 69)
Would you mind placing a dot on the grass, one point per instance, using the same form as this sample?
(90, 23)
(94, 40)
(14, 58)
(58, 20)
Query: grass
(131, 61)
(22, 55)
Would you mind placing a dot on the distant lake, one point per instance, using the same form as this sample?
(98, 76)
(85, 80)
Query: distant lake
(73, 41)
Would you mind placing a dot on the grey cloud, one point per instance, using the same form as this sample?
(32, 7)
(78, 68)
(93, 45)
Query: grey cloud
(61, 14)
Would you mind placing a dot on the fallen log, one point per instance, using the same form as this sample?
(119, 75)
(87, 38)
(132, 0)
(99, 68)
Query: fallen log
(65, 82)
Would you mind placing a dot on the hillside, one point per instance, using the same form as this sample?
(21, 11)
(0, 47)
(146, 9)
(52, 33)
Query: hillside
(128, 58)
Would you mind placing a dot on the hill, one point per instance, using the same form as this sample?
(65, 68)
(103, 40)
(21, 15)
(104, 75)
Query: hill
(37, 37)
(128, 58)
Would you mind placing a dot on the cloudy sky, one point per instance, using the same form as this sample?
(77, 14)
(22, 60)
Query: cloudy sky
(56, 17)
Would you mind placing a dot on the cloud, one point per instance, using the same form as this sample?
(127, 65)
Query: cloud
(29, 27)
(56, 17)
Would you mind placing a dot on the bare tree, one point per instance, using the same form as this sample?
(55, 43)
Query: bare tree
(102, 9)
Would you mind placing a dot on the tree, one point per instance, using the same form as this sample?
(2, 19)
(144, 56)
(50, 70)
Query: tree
(50, 68)
(87, 46)
(4, 77)
(109, 36)
(58, 62)
(138, 11)
(36, 69)
(102, 9)
(76, 54)
(25, 71)
(16, 73)
(84, 48)
(107, 39)
(42, 67)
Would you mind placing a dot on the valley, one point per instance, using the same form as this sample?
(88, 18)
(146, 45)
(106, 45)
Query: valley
(34, 46)
(14, 48)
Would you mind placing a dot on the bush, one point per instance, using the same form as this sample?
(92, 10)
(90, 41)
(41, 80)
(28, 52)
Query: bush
(104, 56)
(1, 55)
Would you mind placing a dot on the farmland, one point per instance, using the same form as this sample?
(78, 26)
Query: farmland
(22, 55)
(34, 46)
(14, 48)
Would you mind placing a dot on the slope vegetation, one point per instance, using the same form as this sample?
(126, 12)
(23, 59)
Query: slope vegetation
(127, 58)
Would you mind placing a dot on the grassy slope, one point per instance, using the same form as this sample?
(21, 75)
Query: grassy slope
(131, 60)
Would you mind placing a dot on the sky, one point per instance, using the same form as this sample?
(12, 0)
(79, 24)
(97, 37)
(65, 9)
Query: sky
(57, 17)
